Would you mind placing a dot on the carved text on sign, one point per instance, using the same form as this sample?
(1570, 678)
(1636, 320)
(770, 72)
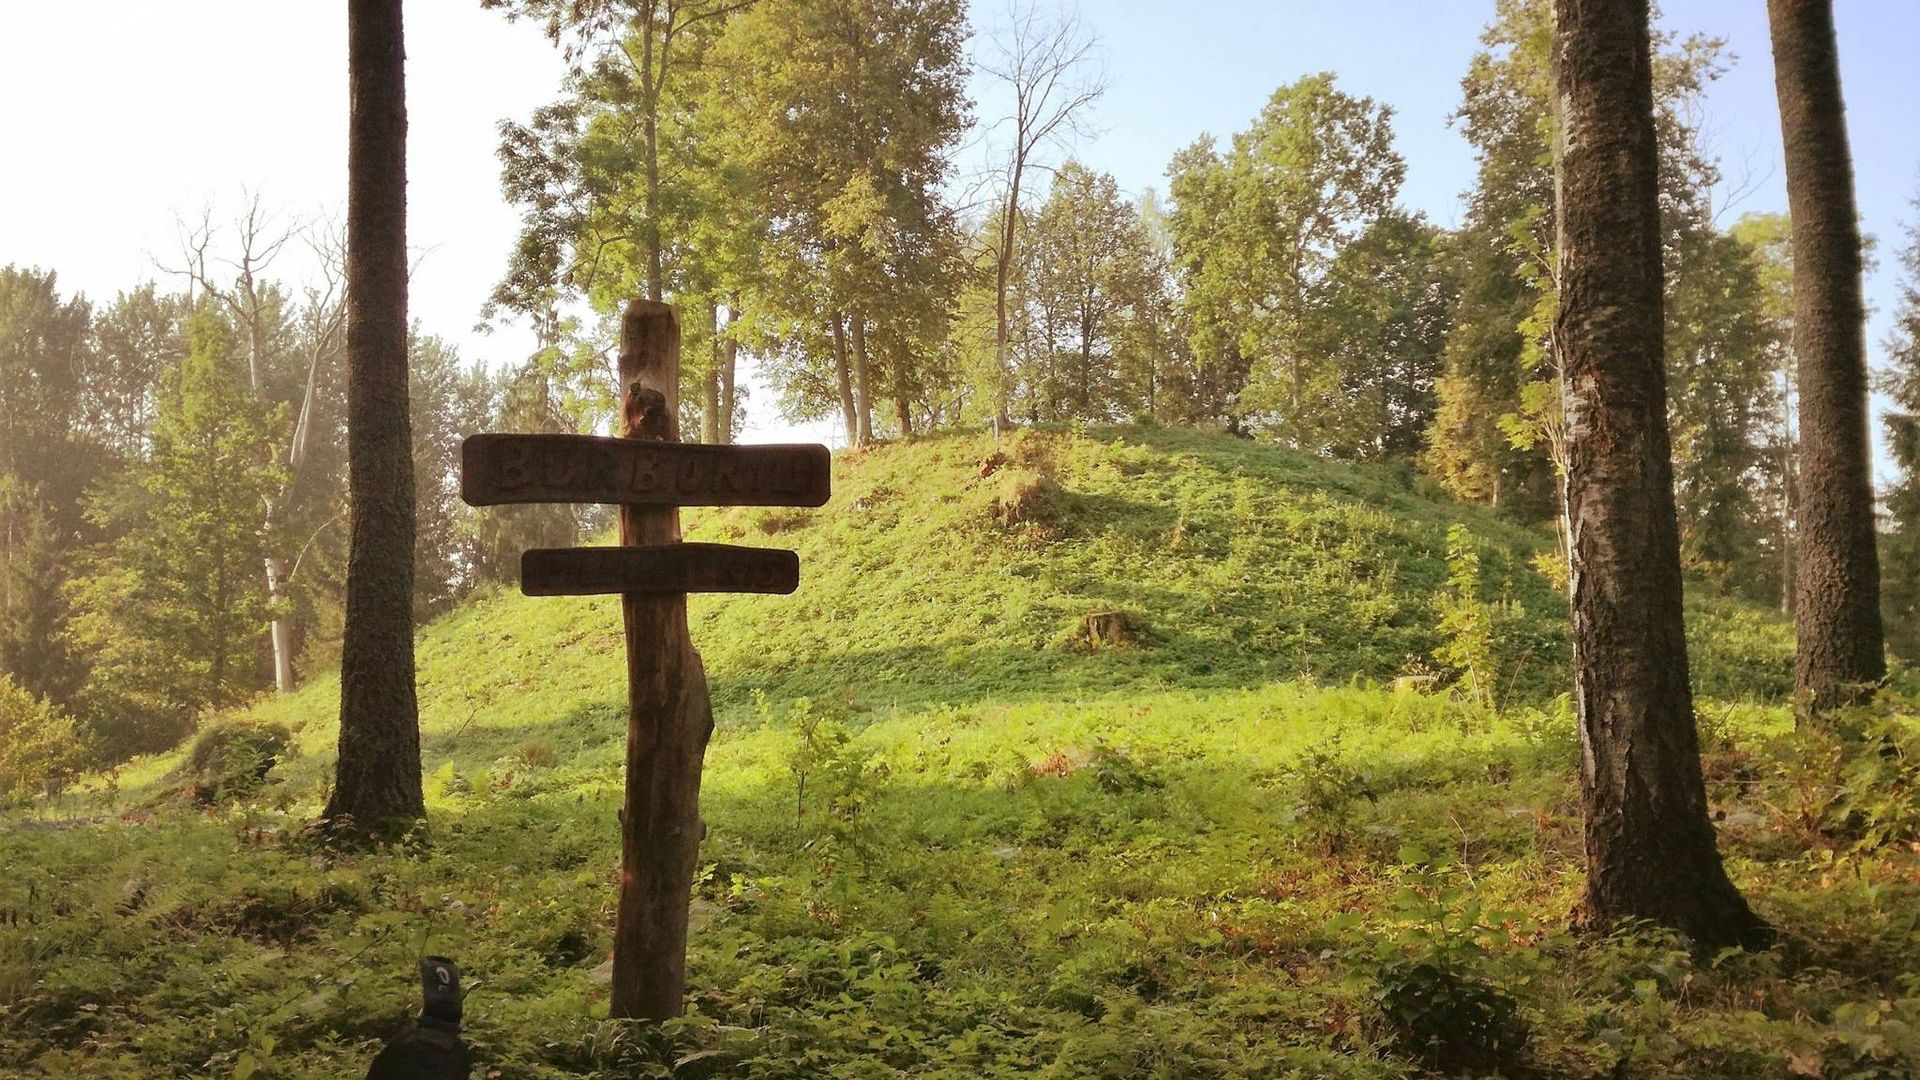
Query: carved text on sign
(499, 469)
(671, 568)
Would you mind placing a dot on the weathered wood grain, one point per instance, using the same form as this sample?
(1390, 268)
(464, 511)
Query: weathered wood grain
(501, 468)
(671, 568)
(670, 714)
(649, 475)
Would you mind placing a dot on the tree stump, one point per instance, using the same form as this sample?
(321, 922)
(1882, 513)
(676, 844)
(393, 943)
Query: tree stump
(1108, 629)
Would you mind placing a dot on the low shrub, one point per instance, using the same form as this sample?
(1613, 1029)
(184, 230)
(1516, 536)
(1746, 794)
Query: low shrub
(40, 747)
(1436, 993)
(230, 760)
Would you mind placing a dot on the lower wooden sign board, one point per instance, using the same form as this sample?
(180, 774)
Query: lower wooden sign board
(672, 568)
(498, 468)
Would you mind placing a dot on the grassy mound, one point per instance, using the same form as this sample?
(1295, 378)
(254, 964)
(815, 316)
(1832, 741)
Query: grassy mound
(955, 834)
(954, 571)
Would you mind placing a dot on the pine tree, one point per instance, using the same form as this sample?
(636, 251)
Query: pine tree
(33, 612)
(377, 776)
(1840, 656)
(47, 461)
(170, 615)
(1900, 581)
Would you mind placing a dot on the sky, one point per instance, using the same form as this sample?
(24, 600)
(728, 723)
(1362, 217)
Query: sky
(121, 118)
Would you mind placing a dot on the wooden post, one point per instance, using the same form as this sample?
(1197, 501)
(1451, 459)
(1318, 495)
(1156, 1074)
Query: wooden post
(650, 475)
(669, 715)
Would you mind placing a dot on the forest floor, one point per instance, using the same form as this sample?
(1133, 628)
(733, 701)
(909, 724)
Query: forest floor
(950, 837)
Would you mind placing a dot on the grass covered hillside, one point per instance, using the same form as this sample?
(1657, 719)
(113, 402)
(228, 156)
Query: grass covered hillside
(950, 836)
(927, 583)
(956, 570)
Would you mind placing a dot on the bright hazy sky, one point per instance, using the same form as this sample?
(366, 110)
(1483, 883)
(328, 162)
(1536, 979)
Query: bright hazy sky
(118, 117)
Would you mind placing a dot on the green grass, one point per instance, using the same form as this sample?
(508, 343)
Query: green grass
(1200, 855)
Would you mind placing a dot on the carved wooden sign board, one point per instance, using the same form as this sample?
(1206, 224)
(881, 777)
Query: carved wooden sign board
(496, 469)
(649, 474)
(505, 469)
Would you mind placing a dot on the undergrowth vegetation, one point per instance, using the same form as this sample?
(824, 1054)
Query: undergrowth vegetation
(1289, 827)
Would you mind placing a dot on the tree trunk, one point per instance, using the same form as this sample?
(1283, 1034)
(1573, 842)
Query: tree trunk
(710, 384)
(280, 628)
(1003, 270)
(1651, 851)
(1789, 503)
(1085, 406)
(843, 376)
(650, 152)
(710, 408)
(1837, 611)
(902, 396)
(670, 715)
(377, 777)
(729, 364)
(862, 381)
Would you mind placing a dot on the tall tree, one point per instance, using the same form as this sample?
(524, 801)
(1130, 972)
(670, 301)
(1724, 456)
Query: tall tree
(1768, 240)
(139, 335)
(35, 558)
(169, 614)
(377, 777)
(1651, 852)
(1841, 656)
(527, 401)
(261, 312)
(1901, 584)
(44, 343)
(627, 57)
(1259, 231)
(1043, 65)
(449, 400)
(843, 116)
(45, 465)
(1155, 364)
(1088, 262)
(1722, 368)
(1199, 184)
(620, 194)
(1497, 435)
(1382, 324)
(1497, 352)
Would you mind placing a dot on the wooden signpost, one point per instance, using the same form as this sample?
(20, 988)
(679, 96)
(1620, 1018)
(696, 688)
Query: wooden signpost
(650, 475)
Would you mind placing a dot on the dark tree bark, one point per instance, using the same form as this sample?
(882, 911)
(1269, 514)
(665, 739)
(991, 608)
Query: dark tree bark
(377, 778)
(1650, 847)
(1841, 657)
